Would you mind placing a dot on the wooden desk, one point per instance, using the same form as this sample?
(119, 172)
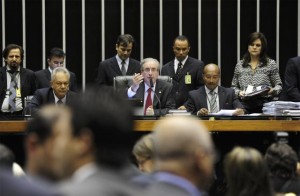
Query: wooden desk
(215, 125)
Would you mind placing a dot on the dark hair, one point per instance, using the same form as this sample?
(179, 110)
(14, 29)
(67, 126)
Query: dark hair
(281, 160)
(124, 40)
(109, 117)
(56, 52)
(7, 157)
(9, 47)
(264, 45)
(181, 38)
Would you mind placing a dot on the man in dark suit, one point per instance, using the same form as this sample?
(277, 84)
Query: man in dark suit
(291, 88)
(55, 58)
(16, 82)
(10, 185)
(91, 145)
(185, 70)
(184, 157)
(58, 93)
(211, 98)
(119, 65)
(146, 83)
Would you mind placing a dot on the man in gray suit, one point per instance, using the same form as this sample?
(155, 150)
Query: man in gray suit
(119, 65)
(200, 101)
(92, 143)
(160, 91)
(183, 156)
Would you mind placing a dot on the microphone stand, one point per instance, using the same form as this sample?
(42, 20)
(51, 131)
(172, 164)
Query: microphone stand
(159, 103)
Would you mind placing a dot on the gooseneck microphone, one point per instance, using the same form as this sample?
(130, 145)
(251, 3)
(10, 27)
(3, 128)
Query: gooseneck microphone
(159, 103)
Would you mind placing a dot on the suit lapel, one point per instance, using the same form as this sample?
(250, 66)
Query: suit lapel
(221, 95)
(51, 96)
(48, 74)
(3, 79)
(158, 92)
(130, 68)
(115, 66)
(141, 91)
(22, 79)
(203, 97)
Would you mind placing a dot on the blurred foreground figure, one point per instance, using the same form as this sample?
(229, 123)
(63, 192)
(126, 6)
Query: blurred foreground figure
(184, 156)
(92, 143)
(247, 173)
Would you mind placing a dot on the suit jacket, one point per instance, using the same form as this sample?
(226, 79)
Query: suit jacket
(10, 185)
(194, 68)
(171, 185)
(163, 90)
(27, 78)
(291, 88)
(227, 99)
(105, 181)
(45, 96)
(43, 78)
(109, 69)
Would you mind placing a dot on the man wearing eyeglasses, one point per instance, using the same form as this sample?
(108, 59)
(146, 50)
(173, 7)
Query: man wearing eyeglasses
(157, 94)
(185, 71)
(57, 94)
(16, 82)
(56, 58)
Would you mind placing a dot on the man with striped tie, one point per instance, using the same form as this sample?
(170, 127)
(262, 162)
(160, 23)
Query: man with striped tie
(16, 82)
(211, 97)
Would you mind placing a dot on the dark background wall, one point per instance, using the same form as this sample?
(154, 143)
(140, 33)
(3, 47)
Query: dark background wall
(288, 35)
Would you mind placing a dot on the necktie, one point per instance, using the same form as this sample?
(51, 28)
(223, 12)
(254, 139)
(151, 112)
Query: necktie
(213, 102)
(12, 91)
(148, 100)
(123, 69)
(59, 102)
(179, 68)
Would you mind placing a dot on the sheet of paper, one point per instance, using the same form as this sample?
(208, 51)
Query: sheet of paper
(224, 113)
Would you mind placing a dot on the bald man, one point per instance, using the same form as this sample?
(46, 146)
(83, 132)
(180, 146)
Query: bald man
(184, 156)
(200, 101)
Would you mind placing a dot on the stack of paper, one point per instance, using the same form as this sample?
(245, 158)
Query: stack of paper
(179, 112)
(280, 107)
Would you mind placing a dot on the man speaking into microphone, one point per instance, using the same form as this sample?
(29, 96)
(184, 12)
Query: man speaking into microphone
(157, 94)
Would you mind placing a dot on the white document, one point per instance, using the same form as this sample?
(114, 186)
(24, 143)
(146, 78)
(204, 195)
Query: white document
(223, 113)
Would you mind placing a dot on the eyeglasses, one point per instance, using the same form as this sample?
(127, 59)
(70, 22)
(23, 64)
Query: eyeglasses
(62, 83)
(150, 69)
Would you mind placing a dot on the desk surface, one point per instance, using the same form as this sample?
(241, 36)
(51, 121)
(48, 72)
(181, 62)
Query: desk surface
(213, 125)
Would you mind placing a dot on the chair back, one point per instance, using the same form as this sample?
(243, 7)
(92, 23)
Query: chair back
(126, 81)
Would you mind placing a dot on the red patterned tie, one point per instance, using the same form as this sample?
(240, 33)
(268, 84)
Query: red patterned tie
(148, 100)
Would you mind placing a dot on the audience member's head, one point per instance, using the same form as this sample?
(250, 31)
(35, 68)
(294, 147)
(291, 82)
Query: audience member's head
(143, 152)
(60, 81)
(7, 157)
(56, 58)
(183, 146)
(246, 173)
(38, 141)
(282, 161)
(98, 129)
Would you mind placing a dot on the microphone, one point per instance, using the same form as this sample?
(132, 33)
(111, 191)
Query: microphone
(159, 103)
